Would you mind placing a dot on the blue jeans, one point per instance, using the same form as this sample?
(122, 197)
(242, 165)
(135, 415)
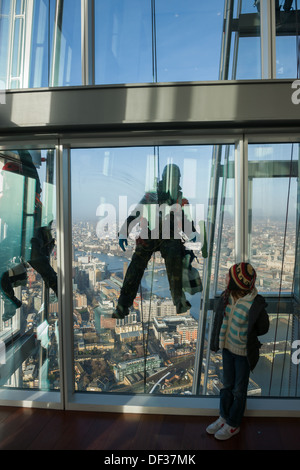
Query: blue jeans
(233, 396)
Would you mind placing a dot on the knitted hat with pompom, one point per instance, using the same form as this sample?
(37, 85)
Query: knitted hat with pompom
(242, 276)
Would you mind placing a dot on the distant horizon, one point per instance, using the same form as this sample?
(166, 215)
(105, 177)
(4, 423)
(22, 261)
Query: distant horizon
(277, 219)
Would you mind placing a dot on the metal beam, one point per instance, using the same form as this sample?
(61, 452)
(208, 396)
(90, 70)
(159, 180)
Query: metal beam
(218, 105)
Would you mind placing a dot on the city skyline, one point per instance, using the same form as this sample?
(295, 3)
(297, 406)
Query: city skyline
(101, 344)
(161, 339)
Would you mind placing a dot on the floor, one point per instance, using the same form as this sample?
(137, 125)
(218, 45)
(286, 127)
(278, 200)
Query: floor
(29, 429)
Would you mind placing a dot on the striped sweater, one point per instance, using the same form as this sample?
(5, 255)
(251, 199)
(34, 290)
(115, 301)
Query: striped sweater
(234, 329)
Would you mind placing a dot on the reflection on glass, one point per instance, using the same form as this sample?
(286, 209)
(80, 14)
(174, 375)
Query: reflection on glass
(164, 219)
(28, 295)
(274, 371)
(152, 349)
(248, 60)
(123, 42)
(273, 179)
(188, 40)
(273, 221)
(131, 41)
(224, 246)
(4, 34)
(42, 37)
(287, 38)
(246, 41)
(65, 59)
(40, 43)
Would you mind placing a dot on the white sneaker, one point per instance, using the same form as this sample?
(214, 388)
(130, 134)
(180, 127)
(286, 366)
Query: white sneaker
(215, 426)
(226, 432)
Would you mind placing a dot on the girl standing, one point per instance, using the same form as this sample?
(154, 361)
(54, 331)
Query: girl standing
(239, 319)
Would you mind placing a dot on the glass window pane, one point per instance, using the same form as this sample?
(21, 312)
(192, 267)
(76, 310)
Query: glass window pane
(152, 350)
(66, 51)
(189, 36)
(273, 224)
(5, 11)
(135, 42)
(286, 57)
(273, 220)
(123, 42)
(273, 179)
(275, 371)
(246, 42)
(42, 36)
(287, 38)
(52, 43)
(248, 61)
(28, 260)
(225, 227)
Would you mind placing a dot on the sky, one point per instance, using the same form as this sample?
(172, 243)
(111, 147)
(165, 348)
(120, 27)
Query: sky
(102, 176)
(187, 43)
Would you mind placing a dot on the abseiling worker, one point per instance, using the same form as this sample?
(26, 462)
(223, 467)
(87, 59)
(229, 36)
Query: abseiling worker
(163, 215)
(240, 318)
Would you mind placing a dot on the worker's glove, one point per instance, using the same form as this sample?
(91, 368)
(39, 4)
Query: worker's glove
(194, 237)
(123, 242)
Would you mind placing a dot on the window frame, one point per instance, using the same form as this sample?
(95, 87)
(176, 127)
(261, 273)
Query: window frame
(22, 347)
(66, 398)
(158, 404)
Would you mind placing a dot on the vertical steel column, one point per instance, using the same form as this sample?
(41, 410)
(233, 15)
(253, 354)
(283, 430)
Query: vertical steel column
(236, 43)
(88, 42)
(226, 40)
(56, 47)
(64, 239)
(268, 36)
(241, 201)
(28, 25)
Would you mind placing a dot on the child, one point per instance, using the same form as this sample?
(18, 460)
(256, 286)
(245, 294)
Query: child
(240, 317)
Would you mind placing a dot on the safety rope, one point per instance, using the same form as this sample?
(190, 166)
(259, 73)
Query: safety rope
(146, 340)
